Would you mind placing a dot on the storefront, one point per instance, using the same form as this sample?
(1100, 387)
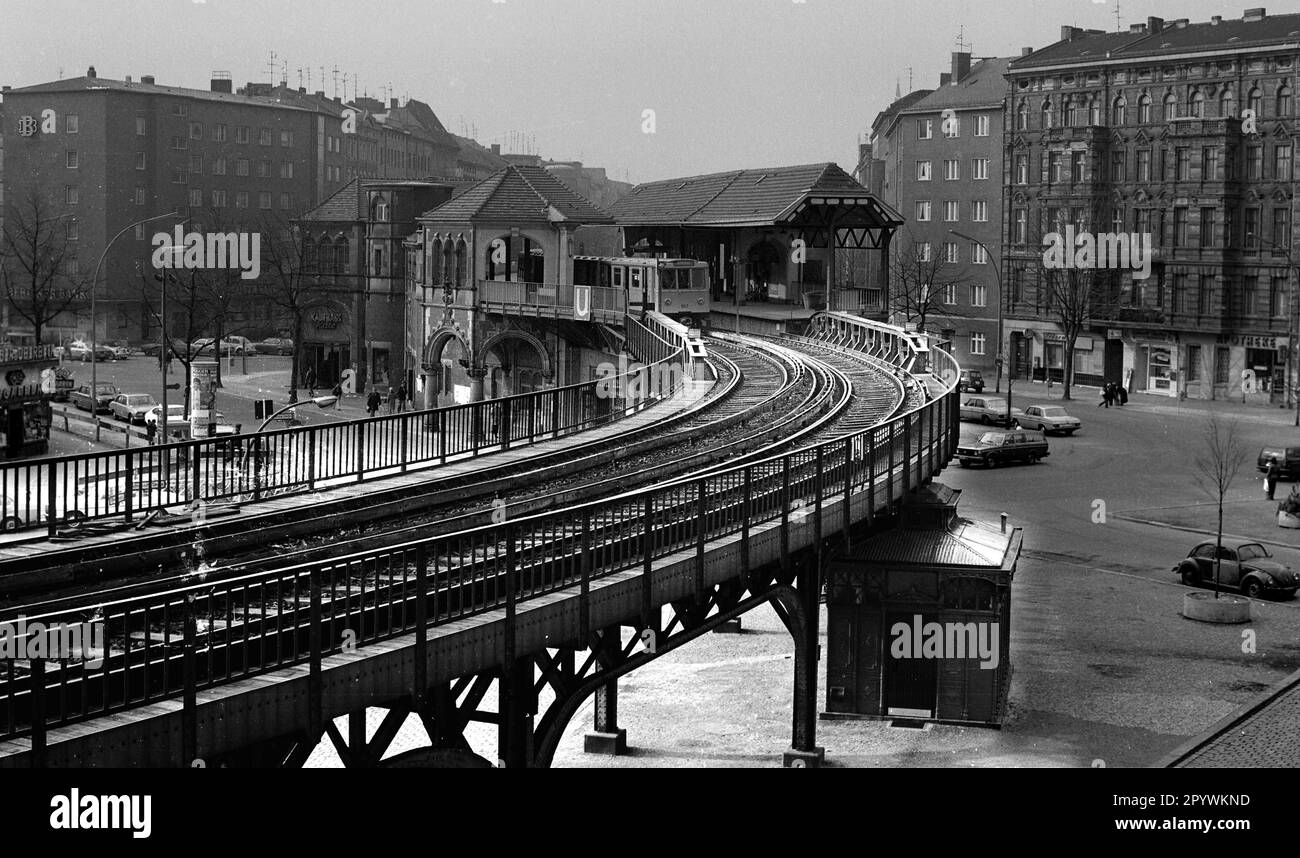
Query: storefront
(327, 344)
(29, 382)
(1155, 364)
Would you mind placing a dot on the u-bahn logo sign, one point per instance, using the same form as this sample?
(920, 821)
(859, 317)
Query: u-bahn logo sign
(582, 303)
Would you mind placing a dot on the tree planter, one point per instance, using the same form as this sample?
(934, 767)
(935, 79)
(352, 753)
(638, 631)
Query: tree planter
(1286, 519)
(1204, 608)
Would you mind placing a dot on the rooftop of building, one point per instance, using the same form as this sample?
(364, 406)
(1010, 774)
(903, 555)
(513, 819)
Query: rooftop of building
(519, 193)
(1158, 37)
(983, 86)
(350, 203)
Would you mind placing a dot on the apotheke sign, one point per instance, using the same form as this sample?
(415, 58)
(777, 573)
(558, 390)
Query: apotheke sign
(1251, 341)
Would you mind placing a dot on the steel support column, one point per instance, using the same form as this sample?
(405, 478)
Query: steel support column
(606, 737)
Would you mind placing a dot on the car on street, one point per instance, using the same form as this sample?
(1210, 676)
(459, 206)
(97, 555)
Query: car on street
(1000, 448)
(121, 351)
(237, 346)
(970, 381)
(274, 346)
(1245, 566)
(1049, 419)
(132, 407)
(1288, 460)
(81, 351)
(989, 409)
(175, 415)
(105, 393)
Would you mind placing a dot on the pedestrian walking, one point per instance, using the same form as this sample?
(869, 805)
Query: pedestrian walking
(1122, 394)
(373, 401)
(309, 381)
(151, 432)
(401, 397)
(338, 397)
(1105, 396)
(1270, 477)
(392, 399)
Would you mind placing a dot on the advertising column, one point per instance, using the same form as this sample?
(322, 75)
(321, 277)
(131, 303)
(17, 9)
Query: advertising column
(203, 399)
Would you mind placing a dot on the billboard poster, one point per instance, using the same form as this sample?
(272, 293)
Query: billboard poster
(203, 397)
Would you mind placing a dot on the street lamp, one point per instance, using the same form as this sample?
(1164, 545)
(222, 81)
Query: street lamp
(997, 273)
(319, 401)
(1293, 376)
(94, 327)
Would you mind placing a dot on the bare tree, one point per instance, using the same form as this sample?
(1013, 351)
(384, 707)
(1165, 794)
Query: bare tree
(921, 282)
(34, 255)
(192, 314)
(1074, 297)
(1222, 454)
(290, 275)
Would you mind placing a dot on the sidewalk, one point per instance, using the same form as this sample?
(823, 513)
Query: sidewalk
(274, 385)
(1087, 396)
(1245, 521)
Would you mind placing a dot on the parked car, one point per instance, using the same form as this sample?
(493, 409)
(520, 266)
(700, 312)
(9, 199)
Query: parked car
(999, 448)
(970, 381)
(1247, 566)
(81, 351)
(132, 407)
(105, 393)
(121, 351)
(1288, 460)
(1049, 419)
(989, 409)
(229, 346)
(274, 346)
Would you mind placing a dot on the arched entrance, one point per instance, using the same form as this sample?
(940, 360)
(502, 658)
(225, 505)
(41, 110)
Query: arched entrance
(446, 364)
(516, 362)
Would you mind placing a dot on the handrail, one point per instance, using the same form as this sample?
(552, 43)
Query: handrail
(129, 483)
(267, 620)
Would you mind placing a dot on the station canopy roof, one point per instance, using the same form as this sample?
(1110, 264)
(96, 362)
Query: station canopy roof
(518, 194)
(796, 197)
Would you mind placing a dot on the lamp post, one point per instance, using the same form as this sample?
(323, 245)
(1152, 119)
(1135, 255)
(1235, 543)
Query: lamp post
(1292, 374)
(997, 274)
(94, 327)
(319, 402)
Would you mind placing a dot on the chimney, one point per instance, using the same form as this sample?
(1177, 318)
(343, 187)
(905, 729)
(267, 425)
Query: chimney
(1253, 15)
(945, 78)
(960, 66)
(496, 148)
(5, 88)
(1024, 52)
(128, 78)
(1068, 33)
(90, 72)
(147, 79)
(1155, 25)
(320, 93)
(221, 82)
(302, 90)
(392, 103)
(1216, 20)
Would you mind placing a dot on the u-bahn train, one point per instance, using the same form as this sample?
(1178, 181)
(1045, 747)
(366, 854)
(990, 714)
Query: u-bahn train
(678, 288)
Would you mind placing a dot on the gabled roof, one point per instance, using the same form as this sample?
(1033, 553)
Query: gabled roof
(518, 193)
(898, 105)
(350, 203)
(1084, 47)
(984, 85)
(741, 198)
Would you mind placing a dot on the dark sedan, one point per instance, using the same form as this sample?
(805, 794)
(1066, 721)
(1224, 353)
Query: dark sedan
(1244, 566)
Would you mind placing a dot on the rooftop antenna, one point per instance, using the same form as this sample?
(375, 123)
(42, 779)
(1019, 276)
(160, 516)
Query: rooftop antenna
(271, 68)
(284, 72)
(962, 44)
(299, 77)
(336, 82)
(322, 77)
(898, 88)
(1118, 24)
(909, 78)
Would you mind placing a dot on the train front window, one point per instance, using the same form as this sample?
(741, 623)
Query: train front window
(668, 278)
(700, 278)
(634, 281)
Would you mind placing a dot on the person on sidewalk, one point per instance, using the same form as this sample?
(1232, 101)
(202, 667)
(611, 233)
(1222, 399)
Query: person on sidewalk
(1270, 477)
(1105, 396)
(309, 382)
(373, 401)
(337, 392)
(401, 397)
(1121, 394)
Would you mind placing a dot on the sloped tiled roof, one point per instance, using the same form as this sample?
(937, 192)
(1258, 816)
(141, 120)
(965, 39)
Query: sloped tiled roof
(739, 198)
(349, 203)
(965, 543)
(983, 85)
(518, 193)
(92, 84)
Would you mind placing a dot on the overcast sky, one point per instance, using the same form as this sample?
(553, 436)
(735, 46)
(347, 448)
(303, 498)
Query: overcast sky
(733, 83)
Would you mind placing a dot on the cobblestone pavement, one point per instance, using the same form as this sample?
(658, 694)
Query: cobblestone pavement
(1258, 736)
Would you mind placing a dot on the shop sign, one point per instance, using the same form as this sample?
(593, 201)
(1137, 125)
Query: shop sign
(26, 354)
(20, 393)
(1252, 341)
(325, 319)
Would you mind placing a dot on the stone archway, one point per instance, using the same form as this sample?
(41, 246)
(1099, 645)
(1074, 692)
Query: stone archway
(444, 366)
(516, 362)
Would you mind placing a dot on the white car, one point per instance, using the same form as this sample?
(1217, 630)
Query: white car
(1049, 418)
(132, 407)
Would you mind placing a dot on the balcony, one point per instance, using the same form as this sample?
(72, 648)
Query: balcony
(551, 300)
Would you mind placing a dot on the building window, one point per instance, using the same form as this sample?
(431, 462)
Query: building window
(1117, 164)
(1220, 365)
(951, 211)
(1182, 164)
(264, 200)
(1193, 363)
(179, 109)
(1020, 221)
(263, 169)
(179, 144)
(923, 210)
(978, 296)
(924, 129)
(1282, 162)
(286, 201)
(1144, 165)
(1283, 101)
(241, 166)
(218, 199)
(1226, 103)
(241, 199)
(1170, 108)
(951, 126)
(950, 294)
(1077, 161)
(1255, 102)
(1144, 109)
(286, 138)
(951, 255)
(141, 127)
(982, 125)
(1209, 164)
(1229, 226)
(71, 195)
(1277, 303)
(219, 133)
(1250, 294)
(1046, 113)
(1281, 227)
(139, 232)
(979, 168)
(923, 251)
(139, 196)
(951, 169)
(196, 165)
(196, 131)
(1180, 226)
(196, 198)
(71, 123)
(1117, 110)
(286, 170)
(71, 266)
(265, 137)
(242, 134)
(1254, 163)
(219, 167)
(1056, 167)
(1252, 229)
(1022, 169)
(1207, 227)
(1196, 107)
(1022, 117)
(923, 171)
(977, 342)
(979, 211)
(70, 231)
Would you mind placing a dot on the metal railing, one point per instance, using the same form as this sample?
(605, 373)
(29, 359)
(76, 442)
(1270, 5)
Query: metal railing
(243, 469)
(607, 304)
(170, 644)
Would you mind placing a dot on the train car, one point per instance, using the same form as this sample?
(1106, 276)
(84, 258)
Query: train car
(678, 288)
